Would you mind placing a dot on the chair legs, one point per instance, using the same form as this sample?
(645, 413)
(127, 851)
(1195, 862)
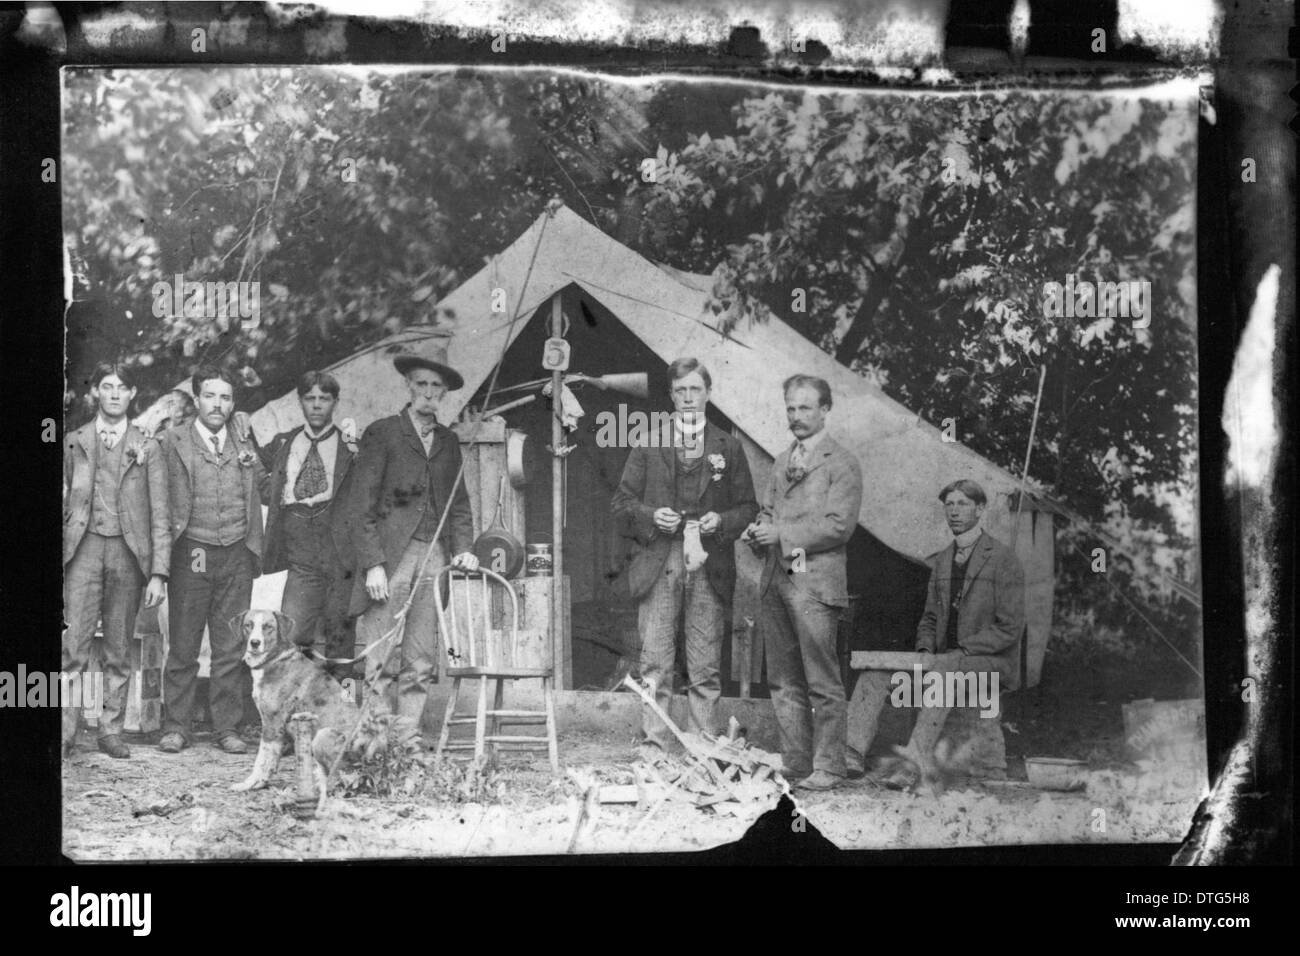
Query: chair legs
(448, 713)
(553, 745)
(480, 720)
(498, 703)
(488, 722)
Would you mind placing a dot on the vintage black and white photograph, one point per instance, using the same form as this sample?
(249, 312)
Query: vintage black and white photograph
(494, 462)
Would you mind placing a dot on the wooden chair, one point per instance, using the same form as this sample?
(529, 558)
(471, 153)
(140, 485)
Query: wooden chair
(481, 644)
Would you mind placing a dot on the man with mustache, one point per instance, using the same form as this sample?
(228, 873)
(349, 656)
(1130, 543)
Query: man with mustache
(808, 514)
(213, 481)
(405, 473)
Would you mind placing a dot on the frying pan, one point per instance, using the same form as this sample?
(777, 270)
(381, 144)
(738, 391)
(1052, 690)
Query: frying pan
(496, 548)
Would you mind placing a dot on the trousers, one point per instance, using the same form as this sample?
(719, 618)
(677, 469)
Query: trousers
(102, 583)
(209, 585)
(687, 594)
(315, 592)
(803, 671)
(402, 674)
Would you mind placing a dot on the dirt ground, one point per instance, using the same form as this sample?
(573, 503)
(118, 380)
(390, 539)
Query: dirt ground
(178, 807)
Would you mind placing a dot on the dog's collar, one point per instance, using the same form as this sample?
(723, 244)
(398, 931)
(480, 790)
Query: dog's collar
(283, 655)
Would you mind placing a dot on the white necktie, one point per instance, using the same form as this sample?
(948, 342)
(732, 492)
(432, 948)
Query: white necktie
(110, 439)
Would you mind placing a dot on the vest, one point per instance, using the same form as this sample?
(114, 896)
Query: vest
(104, 511)
(432, 506)
(956, 581)
(686, 497)
(218, 513)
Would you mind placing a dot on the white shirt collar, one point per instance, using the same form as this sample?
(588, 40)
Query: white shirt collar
(307, 430)
(205, 436)
(693, 431)
(966, 540)
(117, 431)
(810, 444)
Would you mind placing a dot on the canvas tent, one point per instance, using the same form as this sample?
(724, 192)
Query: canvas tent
(625, 310)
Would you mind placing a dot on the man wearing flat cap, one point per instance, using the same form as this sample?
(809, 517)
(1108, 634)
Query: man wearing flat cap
(405, 473)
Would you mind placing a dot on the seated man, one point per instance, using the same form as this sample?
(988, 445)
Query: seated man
(973, 621)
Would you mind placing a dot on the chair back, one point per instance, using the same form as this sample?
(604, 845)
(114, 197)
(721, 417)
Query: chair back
(472, 618)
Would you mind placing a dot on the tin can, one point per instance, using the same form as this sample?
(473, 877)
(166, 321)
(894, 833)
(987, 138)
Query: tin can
(538, 564)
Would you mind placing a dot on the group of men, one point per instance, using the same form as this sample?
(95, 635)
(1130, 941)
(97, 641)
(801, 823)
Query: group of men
(178, 515)
(684, 506)
(360, 527)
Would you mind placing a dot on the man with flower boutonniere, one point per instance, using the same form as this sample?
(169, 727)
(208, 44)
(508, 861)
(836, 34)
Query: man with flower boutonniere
(115, 539)
(683, 503)
(307, 471)
(214, 481)
(809, 511)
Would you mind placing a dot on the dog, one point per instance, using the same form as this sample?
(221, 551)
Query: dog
(287, 683)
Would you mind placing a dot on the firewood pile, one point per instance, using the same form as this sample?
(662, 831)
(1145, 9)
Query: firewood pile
(725, 772)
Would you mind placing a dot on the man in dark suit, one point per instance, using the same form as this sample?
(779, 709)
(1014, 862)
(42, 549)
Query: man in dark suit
(809, 512)
(684, 505)
(973, 623)
(213, 481)
(405, 473)
(306, 522)
(115, 537)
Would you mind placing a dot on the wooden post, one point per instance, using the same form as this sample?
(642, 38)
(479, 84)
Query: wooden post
(557, 505)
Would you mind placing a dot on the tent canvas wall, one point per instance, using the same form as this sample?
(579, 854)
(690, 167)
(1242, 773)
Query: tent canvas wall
(904, 459)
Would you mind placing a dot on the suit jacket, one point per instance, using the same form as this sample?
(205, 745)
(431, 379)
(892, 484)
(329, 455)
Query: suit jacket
(180, 449)
(991, 615)
(389, 495)
(816, 513)
(142, 497)
(649, 482)
(275, 459)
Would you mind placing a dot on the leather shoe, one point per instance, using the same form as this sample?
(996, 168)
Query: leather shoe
(820, 780)
(231, 743)
(905, 778)
(114, 747)
(172, 743)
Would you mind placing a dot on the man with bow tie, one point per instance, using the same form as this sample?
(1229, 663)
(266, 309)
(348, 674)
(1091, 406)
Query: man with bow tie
(973, 622)
(684, 506)
(405, 473)
(115, 537)
(306, 527)
(214, 477)
(809, 511)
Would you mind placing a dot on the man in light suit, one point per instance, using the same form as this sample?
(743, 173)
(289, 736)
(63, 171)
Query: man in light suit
(684, 505)
(213, 481)
(405, 473)
(809, 511)
(973, 622)
(306, 521)
(115, 536)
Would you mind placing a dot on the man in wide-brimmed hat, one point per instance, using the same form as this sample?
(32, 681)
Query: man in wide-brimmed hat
(406, 470)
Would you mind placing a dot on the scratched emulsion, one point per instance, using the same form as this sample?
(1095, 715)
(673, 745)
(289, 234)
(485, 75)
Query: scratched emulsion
(1220, 833)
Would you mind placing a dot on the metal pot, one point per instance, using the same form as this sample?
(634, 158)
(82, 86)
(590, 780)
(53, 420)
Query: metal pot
(496, 548)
